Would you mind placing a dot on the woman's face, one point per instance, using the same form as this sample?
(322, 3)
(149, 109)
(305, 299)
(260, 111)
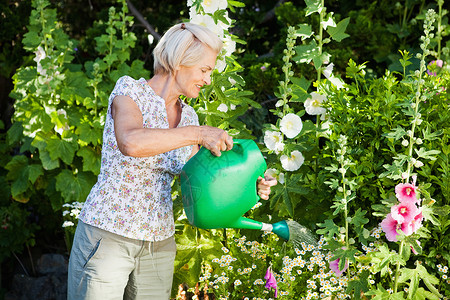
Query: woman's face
(191, 79)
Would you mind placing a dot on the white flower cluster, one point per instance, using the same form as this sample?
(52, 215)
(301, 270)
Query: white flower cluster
(290, 126)
(73, 210)
(204, 17)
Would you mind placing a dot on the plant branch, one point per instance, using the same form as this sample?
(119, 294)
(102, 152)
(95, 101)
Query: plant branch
(143, 21)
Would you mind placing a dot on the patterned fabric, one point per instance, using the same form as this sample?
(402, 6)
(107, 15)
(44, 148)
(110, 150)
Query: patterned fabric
(132, 196)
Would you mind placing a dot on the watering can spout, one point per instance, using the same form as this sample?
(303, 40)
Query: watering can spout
(246, 223)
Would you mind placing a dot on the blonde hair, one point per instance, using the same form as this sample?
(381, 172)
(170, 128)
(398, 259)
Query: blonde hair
(182, 45)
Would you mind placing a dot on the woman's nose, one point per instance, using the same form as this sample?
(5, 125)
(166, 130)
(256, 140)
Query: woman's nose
(207, 79)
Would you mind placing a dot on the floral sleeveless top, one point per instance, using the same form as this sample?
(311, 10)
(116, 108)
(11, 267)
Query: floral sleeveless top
(132, 196)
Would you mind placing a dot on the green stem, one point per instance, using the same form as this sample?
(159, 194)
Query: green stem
(319, 73)
(397, 268)
(439, 29)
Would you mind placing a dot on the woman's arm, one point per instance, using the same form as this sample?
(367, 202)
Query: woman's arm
(134, 140)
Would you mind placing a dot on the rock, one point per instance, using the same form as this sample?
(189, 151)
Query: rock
(52, 263)
(50, 285)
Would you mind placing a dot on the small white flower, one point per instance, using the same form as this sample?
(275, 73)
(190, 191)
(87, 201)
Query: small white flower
(292, 163)
(291, 125)
(40, 54)
(418, 164)
(313, 105)
(232, 106)
(272, 138)
(271, 172)
(67, 224)
(150, 39)
(210, 6)
(222, 107)
(281, 178)
(229, 46)
(221, 65)
(405, 143)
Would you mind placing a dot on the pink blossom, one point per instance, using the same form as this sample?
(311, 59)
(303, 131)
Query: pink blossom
(416, 223)
(404, 212)
(406, 192)
(434, 63)
(271, 282)
(334, 266)
(390, 226)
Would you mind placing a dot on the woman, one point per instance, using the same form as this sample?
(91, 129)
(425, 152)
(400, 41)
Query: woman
(124, 246)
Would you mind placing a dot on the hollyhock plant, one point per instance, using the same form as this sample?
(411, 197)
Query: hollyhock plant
(271, 282)
(334, 266)
(406, 192)
(404, 212)
(291, 125)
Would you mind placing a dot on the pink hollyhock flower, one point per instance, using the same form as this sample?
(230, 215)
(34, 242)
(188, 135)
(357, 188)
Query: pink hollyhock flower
(433, 64)
(390, 226)
(406, 192)
(416, 223)
(271, 282)
(334, 266)
(404, 212)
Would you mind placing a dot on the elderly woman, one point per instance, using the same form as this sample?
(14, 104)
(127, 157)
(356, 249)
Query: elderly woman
(124, 246)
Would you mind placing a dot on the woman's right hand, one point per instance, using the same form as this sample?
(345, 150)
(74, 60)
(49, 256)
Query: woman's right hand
(215, 139)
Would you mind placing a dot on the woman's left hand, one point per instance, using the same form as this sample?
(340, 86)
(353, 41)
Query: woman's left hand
(264, 185)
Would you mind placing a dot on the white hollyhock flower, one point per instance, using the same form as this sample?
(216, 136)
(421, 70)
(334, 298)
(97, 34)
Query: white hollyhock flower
(327, 72)
(281, 178)
(292, 163)
(206, 21)
(274, 141)
(271, 172)
(210, 6)
(291, 125)
(229, 46)
(40, 54)
(313, 105)
(220, 65)
(222, 107)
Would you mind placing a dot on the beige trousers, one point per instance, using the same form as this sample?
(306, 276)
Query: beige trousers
(104, 265)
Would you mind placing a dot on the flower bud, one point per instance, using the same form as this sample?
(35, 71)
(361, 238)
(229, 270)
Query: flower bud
(405, 143)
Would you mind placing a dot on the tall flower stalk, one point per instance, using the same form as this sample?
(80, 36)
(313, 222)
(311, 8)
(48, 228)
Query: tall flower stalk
(419, 82)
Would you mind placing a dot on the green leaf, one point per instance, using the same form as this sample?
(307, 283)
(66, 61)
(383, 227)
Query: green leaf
(330, 229)
(91, 160)
(304, 31)
(428, 279)
(338, 32)
(63, 149)
(359, 286)
(313, 6)
(74, 187)
(430, 154)
(306, 53)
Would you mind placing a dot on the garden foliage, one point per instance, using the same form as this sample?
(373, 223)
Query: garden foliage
(341, 138)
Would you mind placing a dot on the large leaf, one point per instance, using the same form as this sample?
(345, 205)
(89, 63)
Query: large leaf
(74, 187)
(63, 149)
(338, 33)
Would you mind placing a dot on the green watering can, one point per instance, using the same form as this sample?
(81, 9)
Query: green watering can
(218, 190)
